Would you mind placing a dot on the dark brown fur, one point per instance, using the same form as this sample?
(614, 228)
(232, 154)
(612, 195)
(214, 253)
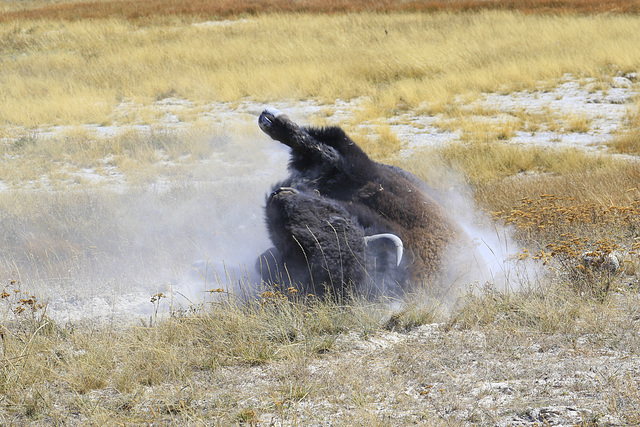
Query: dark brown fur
(382, 197)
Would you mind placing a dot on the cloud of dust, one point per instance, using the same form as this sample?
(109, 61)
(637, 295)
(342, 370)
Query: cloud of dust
(232, 222)
(492, 259)
(102, 254)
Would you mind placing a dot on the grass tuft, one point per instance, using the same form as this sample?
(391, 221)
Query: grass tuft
(628, 142)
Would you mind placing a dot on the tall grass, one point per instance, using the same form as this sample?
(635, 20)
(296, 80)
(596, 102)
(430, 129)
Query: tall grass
(485, 163)
(77, 72)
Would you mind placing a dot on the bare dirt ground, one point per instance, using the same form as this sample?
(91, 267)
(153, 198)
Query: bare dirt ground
(436, 376)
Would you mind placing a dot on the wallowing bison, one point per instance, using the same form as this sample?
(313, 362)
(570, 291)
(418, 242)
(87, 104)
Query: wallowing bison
(322, 216)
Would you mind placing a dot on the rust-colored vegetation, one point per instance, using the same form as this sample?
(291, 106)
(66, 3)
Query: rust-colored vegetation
(549, 217)
(216, 9)
(582, 240)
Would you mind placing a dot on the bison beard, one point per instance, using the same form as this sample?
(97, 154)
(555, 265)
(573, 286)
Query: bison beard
(373, 198)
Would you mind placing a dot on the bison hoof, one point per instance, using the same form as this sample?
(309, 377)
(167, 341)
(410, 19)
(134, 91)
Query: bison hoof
(283, 192)
(269, 117)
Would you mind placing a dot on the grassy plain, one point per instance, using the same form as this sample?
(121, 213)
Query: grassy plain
(144, 9)
(277, 361)
(59, 72)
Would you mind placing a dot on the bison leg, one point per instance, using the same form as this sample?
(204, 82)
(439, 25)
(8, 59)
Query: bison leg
(280, 128)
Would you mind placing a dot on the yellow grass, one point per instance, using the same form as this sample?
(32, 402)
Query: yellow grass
(484, 163)
(628, 142)
(77, 72)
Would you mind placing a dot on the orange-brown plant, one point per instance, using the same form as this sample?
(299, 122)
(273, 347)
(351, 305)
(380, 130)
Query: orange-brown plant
(144, 9)
(583, 241)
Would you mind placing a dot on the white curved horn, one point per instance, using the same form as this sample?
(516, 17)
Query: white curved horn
(395, 239)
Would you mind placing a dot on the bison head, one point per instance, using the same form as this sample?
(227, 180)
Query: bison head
(321, 244)
(322, 159)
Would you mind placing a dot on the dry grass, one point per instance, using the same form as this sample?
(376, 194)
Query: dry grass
(51, 371)
(486, 162)
(614, 183)
(481, 124)
(80, 71)
(629, 141)
(278, 361)
(569, 340)
(145, 9)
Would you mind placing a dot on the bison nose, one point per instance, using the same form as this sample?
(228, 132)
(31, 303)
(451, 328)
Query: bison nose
(265, 121)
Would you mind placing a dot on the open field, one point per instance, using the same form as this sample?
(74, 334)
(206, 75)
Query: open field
(82, 71)
(129, 153)
(199, 9)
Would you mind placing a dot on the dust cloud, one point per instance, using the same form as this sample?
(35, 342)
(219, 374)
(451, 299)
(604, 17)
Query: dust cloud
(100, 253)
(492, 257)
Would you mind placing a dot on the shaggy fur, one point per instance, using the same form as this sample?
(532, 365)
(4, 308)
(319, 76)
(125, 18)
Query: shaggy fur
(382, 198)
(320, 246)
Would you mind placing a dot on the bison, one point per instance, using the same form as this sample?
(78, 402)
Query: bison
(332, 172)
(322, 248)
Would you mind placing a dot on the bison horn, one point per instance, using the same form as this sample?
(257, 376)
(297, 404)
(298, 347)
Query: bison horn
(395, 239)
